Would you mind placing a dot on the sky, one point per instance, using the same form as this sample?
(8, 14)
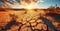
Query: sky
(33, 4)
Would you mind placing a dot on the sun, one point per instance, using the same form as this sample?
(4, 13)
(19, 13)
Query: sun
(29, 6)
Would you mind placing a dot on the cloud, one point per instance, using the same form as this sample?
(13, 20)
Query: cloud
(41, 0)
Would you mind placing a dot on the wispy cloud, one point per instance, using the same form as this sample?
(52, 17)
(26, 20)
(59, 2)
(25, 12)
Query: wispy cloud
(41, 0)
(30, 3)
